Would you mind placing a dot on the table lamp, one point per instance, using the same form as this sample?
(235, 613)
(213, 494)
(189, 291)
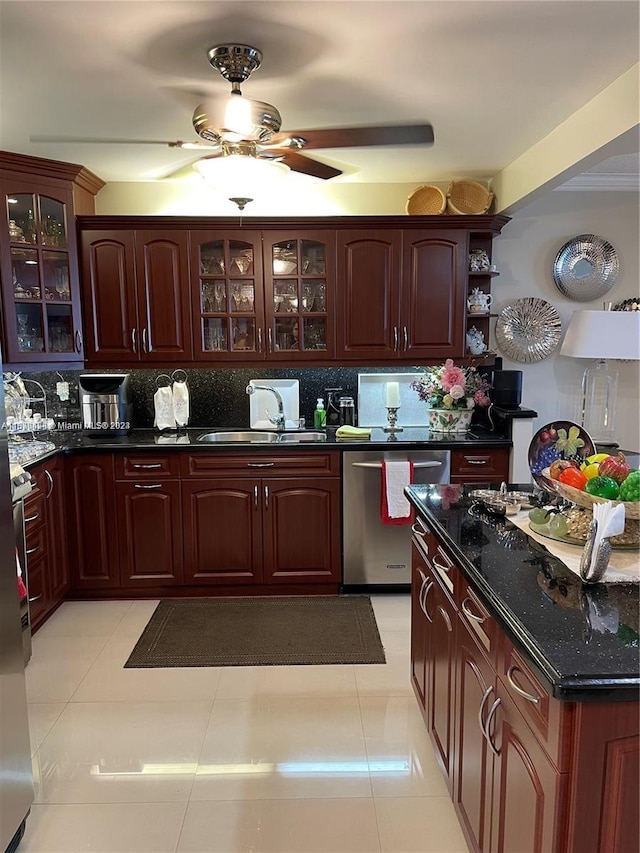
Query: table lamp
(603, 336)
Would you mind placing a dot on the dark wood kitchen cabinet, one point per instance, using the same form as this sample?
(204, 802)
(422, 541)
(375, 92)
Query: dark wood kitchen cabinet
(45, 526)
(488, 465)
(135, 286)
(38, 258)
(403, 293)
(91, 522)
(247, 527)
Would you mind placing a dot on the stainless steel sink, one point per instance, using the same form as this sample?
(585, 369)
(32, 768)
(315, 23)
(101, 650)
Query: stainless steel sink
(296, 437)
(240, 436)
(257, 437)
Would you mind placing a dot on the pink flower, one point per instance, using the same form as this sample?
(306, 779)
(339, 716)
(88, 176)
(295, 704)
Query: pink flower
(456, 392)
(452, 375)
(481, 398)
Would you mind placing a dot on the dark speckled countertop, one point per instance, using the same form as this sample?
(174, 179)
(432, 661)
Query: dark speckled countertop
(582, 639)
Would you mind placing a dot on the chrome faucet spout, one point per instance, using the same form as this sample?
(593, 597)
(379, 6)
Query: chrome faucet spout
(278, 420)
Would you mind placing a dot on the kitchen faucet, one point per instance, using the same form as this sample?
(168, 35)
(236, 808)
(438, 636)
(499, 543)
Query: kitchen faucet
(279, 420)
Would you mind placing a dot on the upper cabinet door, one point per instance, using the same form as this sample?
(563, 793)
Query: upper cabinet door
(299, 287)
(39, 268)
(162, 275)
(109, 296)
(227, 296)
(433, 294)
(369, 267)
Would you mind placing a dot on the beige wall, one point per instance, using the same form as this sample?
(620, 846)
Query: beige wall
(524, 254)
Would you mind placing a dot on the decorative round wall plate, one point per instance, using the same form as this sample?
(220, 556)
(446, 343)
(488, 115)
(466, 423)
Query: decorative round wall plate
(528, 330)
(585, 268)
(558, 440)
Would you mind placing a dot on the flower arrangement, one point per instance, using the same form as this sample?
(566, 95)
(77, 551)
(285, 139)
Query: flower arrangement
(450, 387)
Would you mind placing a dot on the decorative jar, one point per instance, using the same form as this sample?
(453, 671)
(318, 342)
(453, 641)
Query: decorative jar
(449, 420)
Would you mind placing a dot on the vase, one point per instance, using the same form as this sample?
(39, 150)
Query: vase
(449, 420)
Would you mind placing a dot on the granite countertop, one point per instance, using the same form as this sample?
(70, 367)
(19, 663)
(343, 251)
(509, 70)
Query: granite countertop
(410, 438)
(583, 639)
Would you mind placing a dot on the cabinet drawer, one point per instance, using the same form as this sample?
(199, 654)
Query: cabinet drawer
(469, 465)
(542, 712)
(34, 508)
(478, 619)
(147, 466)
(259, 464)
(36, 544)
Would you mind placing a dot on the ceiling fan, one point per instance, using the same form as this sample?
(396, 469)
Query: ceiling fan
(248, 128)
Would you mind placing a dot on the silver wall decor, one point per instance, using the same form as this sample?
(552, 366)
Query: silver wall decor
(528, 330)
(585, 268)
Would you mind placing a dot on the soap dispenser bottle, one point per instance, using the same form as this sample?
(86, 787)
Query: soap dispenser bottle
(320, 415)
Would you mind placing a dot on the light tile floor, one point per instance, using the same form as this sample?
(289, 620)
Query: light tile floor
(318, 759)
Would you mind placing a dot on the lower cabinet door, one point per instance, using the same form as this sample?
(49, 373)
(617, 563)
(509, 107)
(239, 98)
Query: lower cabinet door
(57, 556)
(149, 533)
(301, 533)
(441, 669)
(419, 582)
(528, 791)
(222, 530)
(474, 758)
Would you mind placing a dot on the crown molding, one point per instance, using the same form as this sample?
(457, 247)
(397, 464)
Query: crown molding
(601, 181)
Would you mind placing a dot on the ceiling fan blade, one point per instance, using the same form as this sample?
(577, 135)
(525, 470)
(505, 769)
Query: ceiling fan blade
(307, 166)
(360, 137)
(196, 144)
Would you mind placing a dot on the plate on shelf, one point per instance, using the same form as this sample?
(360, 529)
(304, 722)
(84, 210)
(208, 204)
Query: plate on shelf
(528, 329)
(585, 268)
(557, 440)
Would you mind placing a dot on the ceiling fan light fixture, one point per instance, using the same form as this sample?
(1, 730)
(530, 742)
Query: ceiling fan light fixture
(238, 117)
(241, 176)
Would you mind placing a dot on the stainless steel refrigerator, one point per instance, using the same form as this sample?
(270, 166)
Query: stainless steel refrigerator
(16, 780)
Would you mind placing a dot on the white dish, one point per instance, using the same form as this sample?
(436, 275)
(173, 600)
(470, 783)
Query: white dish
(263, 402)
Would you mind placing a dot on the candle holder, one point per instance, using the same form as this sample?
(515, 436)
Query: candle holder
(392, 417)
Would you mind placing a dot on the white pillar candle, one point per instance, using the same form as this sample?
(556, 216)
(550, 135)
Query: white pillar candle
(392, 395)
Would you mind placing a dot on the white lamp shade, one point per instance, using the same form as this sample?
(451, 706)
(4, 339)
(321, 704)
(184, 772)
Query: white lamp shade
(240, 174)
(603, 335)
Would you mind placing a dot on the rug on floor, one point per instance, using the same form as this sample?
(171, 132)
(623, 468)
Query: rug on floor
(274, 631)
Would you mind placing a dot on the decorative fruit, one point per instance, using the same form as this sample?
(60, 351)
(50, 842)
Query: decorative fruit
(615, 467)
(560, 465)
(539, 515)
(603, 487)
(573, 477)
(590, 471)
(630, 489)
(569, 442)
(594, 459)
(558, 525)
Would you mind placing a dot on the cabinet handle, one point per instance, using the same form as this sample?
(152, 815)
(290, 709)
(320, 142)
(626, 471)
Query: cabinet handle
(145, 348)
(31, 550)
(424, 600)
(35, 598)
(422, 586)
(51, 484)
(266, 498)
(154, 486)
(418, 529)
(255, 497)
(476, 461)
(269, 340)
(406, 338)
(467, 612)
(528, 696)
(395, 339)
(32, 518)
(260, 464)
(487, 725)
(440, 566)
(260, 339)
(78, 341)
(134, 343)
(485, 696)
(149, 465)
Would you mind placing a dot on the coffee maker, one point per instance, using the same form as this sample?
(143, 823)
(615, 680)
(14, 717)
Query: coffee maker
(105, 399)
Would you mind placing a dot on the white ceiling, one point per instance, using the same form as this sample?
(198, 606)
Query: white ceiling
(493, 78)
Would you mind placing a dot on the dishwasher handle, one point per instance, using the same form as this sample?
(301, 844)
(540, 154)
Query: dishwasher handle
(431, 464)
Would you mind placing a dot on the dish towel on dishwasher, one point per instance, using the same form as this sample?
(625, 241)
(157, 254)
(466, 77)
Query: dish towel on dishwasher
(163, 405)
(394, 507)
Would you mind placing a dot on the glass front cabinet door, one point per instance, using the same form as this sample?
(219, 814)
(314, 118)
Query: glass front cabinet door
(39, 277)
(228, 296)
(299, 285)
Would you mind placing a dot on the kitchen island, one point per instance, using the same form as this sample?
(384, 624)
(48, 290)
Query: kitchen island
(528, 682)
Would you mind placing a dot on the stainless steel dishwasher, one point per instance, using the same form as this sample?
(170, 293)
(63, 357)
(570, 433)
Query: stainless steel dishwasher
(377, 554)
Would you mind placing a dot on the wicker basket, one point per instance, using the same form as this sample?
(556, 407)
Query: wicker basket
(427, 200)
(468, 197)
(580, 498)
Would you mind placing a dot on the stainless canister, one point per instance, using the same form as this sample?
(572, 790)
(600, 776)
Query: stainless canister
(347, 410)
